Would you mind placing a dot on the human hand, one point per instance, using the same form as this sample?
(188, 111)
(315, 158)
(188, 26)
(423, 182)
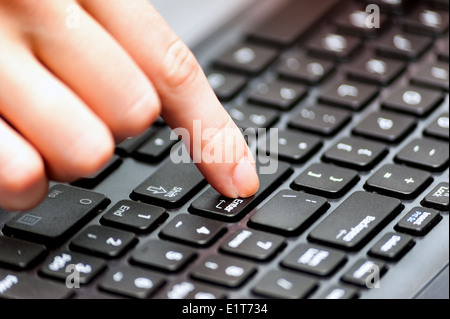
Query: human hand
(70, 89)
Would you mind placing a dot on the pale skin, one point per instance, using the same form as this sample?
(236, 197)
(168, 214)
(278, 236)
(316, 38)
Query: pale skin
(67, 95)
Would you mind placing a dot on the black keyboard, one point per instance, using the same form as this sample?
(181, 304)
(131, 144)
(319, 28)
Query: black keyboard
(356, 208)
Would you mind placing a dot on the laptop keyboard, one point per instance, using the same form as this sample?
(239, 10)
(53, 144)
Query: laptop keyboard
(361, 184)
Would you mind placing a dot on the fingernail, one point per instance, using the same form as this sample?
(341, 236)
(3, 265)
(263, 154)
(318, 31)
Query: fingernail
(245, 178)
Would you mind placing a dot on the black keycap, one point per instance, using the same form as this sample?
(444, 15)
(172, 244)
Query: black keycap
(356, 220)
(433, 75)
(278, 94)
(252, 244)
(354, 21)
(402, 45)
(333, 46)
(284, 27)
(171, 185)
(375, 70)
(132, 282)
(337, 292)
(20, 254)
(348, 94)
(438, 198)
(314, 259)
(157, 146)
(356, 153)
(222, 270)
(226, 85)
(247, 58)
(385, 126)
(326, 180)
(63, 211)
(194, 230)
(192, 290)
(92, 181)
(419, 221)
(413, 100)
(306, 69)
(320, 119)
(426, 21)
(425, 153)
(392, 246)
(103, 241)
(290, 146)
(27, 286)
(439, 128)
(398, 181)
(285, 285)
(134, 216)
(213, 205)
(128, 146)
(294, 212)
(62, 264)
(365, 273)
(252, 116)
(163, 255)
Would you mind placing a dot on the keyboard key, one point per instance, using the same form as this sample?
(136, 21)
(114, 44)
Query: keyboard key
(356, 153)
(348, 94)
(392, 246)
(356, 220)
(170, 186)
(337, 292)
(375, 70)
(134, 216)
(103, 241)
(290, 146)
(320, 119)
(365, 273)
(128, 146)
(92, 181)
(326, 180)
(401, 45)
(413, 100)
(333, 46)
(192, 290)
(398, 181)
(438, 198)
(425, 153)
(294, 212)
(354, 21)
(132, 282)
(194, 230)
(246, 58)
(20, 254)
(284, 27)
(226, 85)
(384, 126)
(252, 244)
(419, 221)
(433, 75)
(61, 214)
(27, 286)
(156, 147)
(306, 69)
(439, 128)
(426, 21)
(61, 264)
(252, 116)
(163, 255)
(278, 94)
(314, 259)
(222, 270)
(285, 285)
(213, 205)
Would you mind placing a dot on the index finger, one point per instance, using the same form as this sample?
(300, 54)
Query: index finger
(188, 100)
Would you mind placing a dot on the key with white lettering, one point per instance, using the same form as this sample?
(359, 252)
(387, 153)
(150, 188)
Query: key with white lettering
(365, 273)
(438, 198)
(63, 211)
(392, 246)
(419, 221)
(356, 220)
(189, 289)
(171, 185)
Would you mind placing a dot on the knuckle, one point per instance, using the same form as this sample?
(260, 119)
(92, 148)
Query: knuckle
(179, 65)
